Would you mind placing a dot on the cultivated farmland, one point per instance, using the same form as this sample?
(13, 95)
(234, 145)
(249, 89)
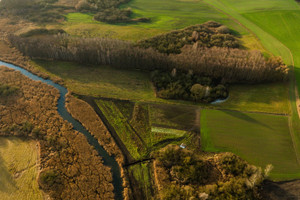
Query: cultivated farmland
(259, 138)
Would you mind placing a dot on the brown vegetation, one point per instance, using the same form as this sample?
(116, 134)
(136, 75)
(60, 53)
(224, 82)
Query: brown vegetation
(71, 168)
(86, 115)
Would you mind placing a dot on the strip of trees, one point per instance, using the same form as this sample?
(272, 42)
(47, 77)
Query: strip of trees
(230, 65)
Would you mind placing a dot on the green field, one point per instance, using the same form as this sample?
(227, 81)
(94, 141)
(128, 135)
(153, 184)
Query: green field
(146, 135)
(104, 81)
(276, 24)
(101, 81)
(271, 98)
(165, 16)
(18, 170)
(260, 139)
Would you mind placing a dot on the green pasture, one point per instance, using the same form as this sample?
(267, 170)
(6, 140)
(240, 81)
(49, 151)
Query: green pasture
(276, 24)
(265, 97)
(165, 16)
(261, 139)
(102, 81)
(18, 170)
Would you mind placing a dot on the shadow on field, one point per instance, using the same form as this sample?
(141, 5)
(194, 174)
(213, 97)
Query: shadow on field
(285, 190)
(7, 183)
(245, 117)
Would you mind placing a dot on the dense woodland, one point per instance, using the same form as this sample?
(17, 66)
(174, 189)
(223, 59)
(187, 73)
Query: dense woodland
(230, 65)
(183, 174)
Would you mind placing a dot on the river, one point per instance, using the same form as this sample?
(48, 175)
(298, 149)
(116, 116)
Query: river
(61, 108)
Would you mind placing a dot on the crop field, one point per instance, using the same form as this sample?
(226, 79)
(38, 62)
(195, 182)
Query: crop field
(18, 170)
(276, 24)
(260, 139)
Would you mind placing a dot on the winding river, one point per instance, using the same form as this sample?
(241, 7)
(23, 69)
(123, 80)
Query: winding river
(108, 160)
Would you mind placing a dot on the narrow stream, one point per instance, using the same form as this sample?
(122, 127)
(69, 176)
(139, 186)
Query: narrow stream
(108, 160)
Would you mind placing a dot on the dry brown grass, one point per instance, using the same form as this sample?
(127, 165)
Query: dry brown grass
(80, 171)
(84, 113)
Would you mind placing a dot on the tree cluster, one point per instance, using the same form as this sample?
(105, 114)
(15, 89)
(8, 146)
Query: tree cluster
(39, 11)
(6, 90)
(108, 11)
(42, 31)
(208, 35)
(228, 64)
(183, 174)
(187, 86)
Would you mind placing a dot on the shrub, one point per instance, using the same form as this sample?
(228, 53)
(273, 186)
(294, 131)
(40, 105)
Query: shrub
(198, 92)
(223, 29)
(6, 90)
(49, 180)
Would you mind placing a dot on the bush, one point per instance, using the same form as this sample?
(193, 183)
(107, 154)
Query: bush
(204, 35)
(223, 30)
(49, 180)
(198, 92)
(42, 31)
(6, 90)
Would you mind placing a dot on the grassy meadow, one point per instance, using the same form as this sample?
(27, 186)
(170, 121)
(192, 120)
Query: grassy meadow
(260, 139)
(276, 24)
(18, 170)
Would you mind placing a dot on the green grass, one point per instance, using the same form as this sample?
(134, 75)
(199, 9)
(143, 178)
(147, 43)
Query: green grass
(101, 81)
(276, 24)
(18, 170)
(138, 142)
(283, 25)
(123, 129)
(260, 139)
(271, 98)
(142, 174)
(104, 81)
(165, 16)
(173, 116)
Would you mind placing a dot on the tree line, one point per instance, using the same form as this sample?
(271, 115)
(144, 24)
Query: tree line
(230, 65)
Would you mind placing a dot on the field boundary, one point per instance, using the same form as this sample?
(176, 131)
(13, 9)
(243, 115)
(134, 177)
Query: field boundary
(292, 133)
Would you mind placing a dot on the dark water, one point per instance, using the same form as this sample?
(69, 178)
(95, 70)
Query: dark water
(108, 160)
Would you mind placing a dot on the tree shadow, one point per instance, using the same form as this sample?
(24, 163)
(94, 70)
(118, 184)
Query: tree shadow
(7, 182)
(246, 117)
